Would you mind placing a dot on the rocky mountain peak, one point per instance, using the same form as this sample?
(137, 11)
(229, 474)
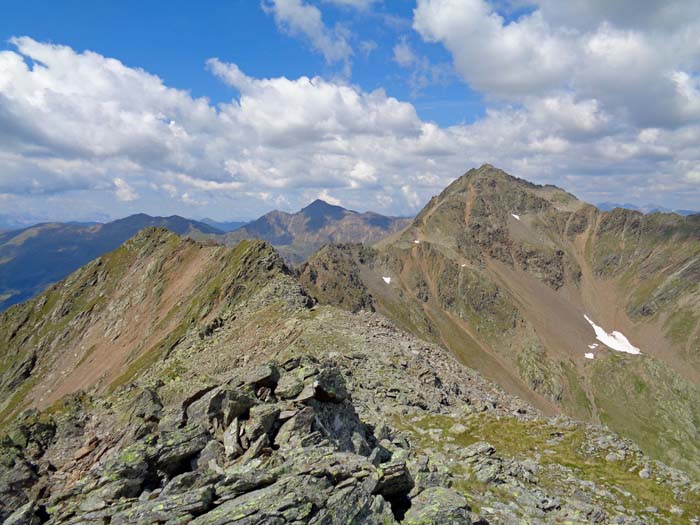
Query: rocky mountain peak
(320, 213)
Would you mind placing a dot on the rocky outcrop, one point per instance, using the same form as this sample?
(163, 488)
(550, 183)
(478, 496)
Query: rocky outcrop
(353, 441)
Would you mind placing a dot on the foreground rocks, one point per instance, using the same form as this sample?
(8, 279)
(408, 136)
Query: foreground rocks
(329, 418)
(239, 454)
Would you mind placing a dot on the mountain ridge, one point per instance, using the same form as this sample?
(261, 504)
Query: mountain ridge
(34, 257)
(294, 413)
(503, 272)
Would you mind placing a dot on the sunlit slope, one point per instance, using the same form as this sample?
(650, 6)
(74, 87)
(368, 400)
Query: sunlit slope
(504, 273)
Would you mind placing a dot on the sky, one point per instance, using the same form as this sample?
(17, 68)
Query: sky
(228, 109)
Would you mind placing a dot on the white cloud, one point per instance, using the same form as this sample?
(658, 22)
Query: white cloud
(325, 196)
(403, 54)
(639, 64)
(72, 122)
(506, 60)
(301, 19)
(124, 191)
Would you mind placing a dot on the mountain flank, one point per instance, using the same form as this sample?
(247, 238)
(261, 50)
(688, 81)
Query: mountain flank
(34, 257)
(593, 314)
(173, 381)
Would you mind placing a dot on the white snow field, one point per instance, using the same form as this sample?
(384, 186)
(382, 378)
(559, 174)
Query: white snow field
(614, 340)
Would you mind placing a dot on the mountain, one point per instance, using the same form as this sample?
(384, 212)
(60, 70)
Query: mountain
(590, 313)
(647, 208)
(171, 381)
(224, 226)
(298, 235)
(34, 257)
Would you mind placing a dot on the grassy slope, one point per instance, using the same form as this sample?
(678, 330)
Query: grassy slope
(119, 314)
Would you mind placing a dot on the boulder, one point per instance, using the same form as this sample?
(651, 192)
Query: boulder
(178, 447)
(219, 407)
(262, 419)
(329, 386)
(438, 506)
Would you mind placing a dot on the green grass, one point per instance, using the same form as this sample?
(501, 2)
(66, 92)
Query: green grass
(523, 439)
(680, 325)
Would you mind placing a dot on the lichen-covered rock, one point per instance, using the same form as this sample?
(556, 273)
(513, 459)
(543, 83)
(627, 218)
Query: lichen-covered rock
(438, 506)
(219, 407)
(178, 447)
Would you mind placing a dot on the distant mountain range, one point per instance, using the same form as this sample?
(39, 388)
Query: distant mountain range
(224, 226)
(646, 208)
(298, 235)
(34, 257)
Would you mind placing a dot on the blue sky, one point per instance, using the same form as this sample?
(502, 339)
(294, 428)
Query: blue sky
(230, 109)
(174, 40)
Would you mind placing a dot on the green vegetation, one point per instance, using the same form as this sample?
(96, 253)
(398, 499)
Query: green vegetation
(521, 440)
(641, 397)
(680, 325)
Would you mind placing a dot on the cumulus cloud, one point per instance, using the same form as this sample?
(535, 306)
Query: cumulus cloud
(124, 191)
(639, 64)
(301, 19)
(73, 121)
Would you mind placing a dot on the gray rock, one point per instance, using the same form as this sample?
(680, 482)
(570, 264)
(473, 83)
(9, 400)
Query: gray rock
(329, 386)
(179, 447)
(262, 419)
(438, 506)
(219, 407)
(263, 376)
(289, 386)
(394, 479)
(232, 446)
(27, 514)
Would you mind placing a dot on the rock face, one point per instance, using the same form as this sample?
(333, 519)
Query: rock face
(502, 272)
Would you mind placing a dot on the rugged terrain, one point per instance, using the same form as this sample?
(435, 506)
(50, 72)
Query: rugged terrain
(34, 257)
(298, 235)
(171, 382)
(505, 274)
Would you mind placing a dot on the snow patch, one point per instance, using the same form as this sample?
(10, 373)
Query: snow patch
(464, 266)
(516, 217)
(387, 280)
(588, 355)
(614, 340)
(593, 346)
(416, 241)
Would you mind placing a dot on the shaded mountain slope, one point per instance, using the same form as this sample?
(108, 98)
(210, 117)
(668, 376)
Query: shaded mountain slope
(32, 258)
(298, 235)
(502, 272)
(224, 226)
(217, 393)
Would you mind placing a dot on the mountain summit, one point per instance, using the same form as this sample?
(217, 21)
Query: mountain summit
(590, 313)
(298, 235)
